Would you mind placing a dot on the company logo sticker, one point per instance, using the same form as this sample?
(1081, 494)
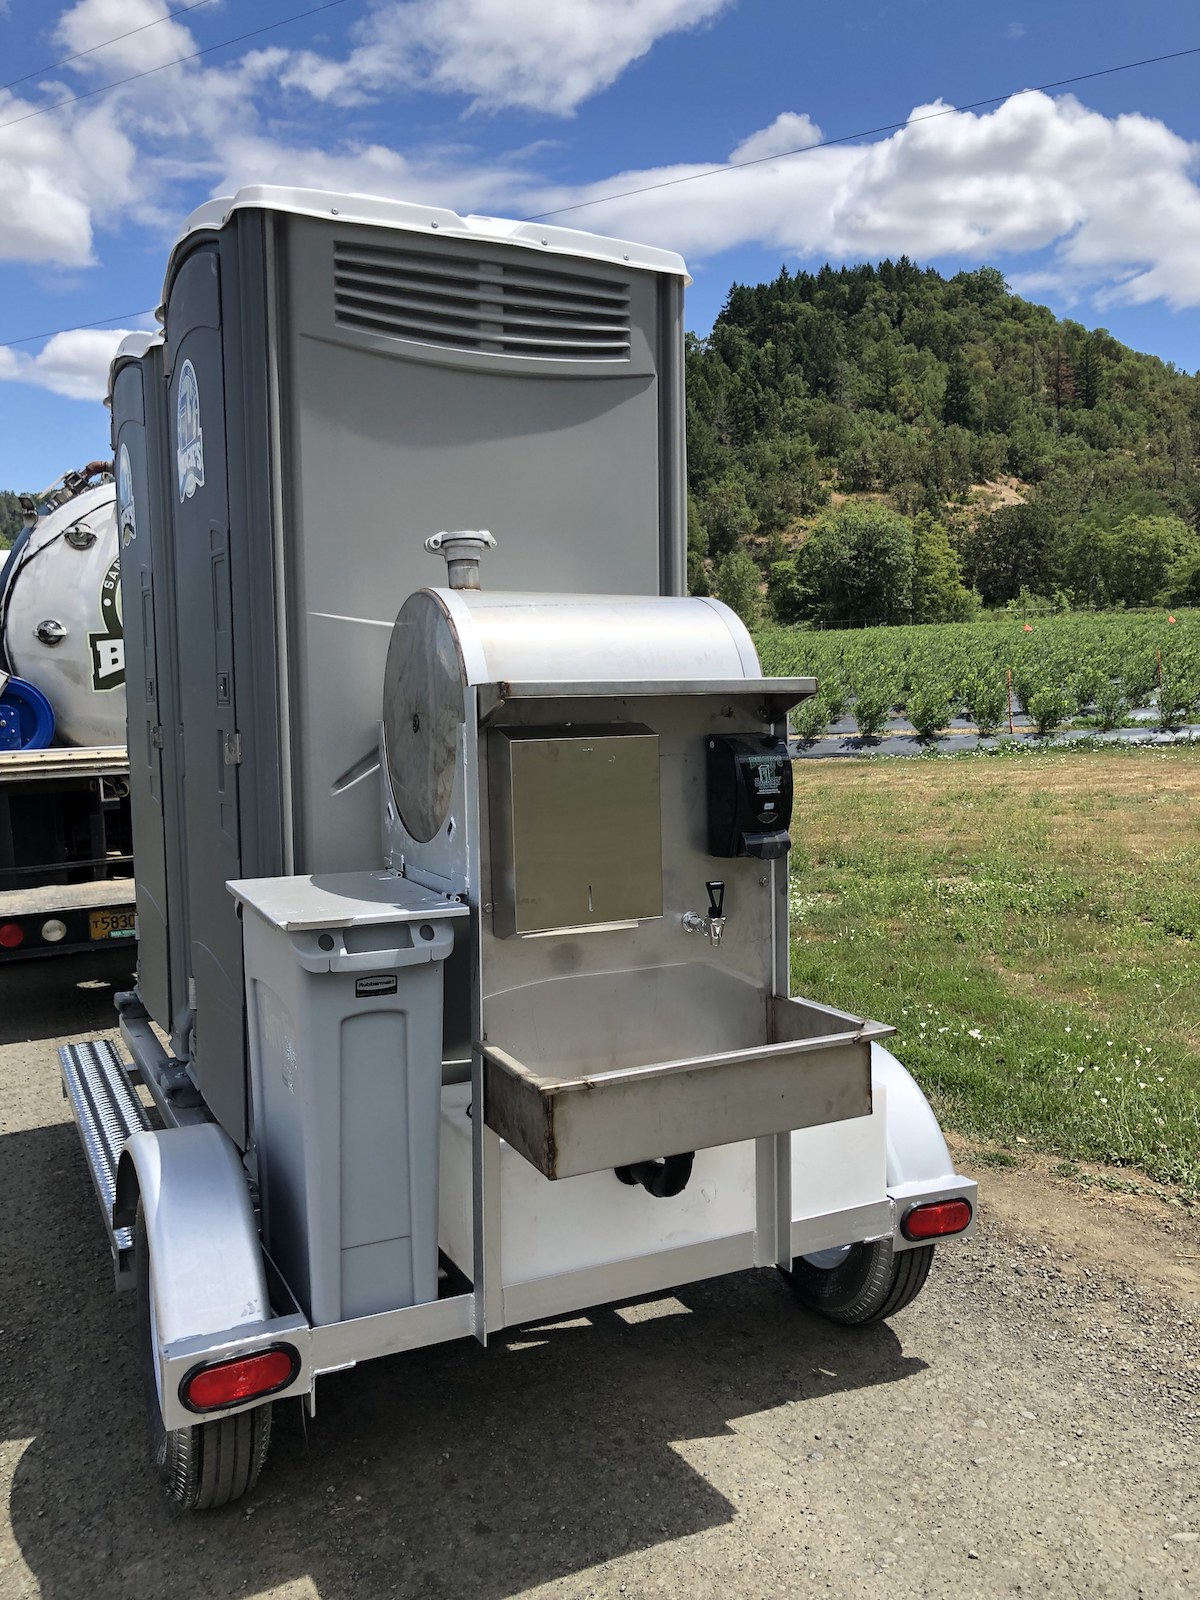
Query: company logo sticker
(382, 983)
(189, 437)
(126, 517)
(108, 645)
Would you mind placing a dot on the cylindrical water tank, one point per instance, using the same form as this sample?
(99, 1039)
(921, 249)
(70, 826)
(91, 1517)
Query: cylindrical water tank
(60, 617)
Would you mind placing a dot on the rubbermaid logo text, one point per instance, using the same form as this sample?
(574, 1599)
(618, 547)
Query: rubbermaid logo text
(382, 983)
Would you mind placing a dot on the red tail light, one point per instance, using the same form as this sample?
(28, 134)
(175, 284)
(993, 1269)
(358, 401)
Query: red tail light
(937, 1219)
(12, 934)
(229, 1383)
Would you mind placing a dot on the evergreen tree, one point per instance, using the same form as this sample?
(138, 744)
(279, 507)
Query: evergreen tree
(1089, 374)
(886, 373)
(727, 515)
(938, 594)
(960, 403)
(1061, 380)
(739, 585)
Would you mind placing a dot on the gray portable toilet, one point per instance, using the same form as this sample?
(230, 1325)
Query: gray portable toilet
(148, 613)
(344, 377)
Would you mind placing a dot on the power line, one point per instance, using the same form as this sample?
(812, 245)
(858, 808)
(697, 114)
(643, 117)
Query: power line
(866, 133)
(104, 44)
(76, 327)
(711, 172)
(88, 94)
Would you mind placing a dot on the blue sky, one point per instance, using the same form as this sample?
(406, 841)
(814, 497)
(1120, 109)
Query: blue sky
(1088, 198)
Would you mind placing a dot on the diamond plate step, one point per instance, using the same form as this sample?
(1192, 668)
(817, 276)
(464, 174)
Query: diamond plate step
(107, 1111)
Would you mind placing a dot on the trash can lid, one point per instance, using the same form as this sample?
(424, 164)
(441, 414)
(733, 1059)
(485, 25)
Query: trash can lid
(342, 900)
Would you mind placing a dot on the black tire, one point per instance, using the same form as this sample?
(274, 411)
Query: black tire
(872, 1282)
(210, 1463)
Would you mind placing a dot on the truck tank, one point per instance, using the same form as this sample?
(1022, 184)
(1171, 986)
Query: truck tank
(60, 621)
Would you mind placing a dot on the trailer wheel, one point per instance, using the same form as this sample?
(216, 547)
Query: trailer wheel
(210, 1463)
(860, 1283)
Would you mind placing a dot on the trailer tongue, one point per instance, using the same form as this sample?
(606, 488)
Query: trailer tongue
(467, 899)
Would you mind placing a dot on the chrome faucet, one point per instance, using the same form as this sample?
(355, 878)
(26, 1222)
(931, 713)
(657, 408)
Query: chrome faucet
(714, 924)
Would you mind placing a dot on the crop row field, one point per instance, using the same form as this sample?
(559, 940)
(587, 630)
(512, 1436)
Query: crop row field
(1089, 669)
(1031, 928)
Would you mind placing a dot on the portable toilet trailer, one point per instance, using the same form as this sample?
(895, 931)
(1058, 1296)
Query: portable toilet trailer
(474, 834)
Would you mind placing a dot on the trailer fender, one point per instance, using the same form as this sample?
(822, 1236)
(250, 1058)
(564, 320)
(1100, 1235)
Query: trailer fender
(205, 1252)
(919, 1164)
(916, 1151)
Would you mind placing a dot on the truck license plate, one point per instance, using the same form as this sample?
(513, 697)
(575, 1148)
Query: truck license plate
(113, 924)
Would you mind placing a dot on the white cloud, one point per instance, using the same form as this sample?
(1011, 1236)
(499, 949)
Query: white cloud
(547, 55)
(453, 178)
(73, 364)
(120, 157)
(537, 55)
(55, 174)
(1116, 199)
(93, 22)
(790, 131)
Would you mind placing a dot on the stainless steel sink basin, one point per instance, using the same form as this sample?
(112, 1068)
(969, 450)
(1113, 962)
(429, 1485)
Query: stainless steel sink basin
(572, 1079)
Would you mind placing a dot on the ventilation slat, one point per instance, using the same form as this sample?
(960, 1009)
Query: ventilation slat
(489, 341)
(473, 293)
(548, 317)
(466, 304)
(457, 268)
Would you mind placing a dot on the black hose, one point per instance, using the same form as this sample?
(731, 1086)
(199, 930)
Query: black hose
(667, 1176)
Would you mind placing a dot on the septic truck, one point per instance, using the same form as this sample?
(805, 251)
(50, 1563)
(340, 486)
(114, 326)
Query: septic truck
(66, 874)
(463, 836)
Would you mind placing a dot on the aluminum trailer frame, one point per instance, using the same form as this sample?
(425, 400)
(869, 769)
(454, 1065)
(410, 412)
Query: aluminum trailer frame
(214, 1192)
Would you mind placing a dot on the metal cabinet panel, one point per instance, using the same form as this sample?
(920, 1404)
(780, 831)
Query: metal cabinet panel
(576, 828)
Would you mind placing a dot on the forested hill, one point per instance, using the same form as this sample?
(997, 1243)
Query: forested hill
(886, 444)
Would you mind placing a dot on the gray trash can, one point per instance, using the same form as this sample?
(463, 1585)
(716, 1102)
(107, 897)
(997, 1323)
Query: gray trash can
(344, 1013)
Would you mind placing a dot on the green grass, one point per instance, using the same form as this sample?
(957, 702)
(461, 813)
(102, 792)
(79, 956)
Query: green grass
(1030, 926)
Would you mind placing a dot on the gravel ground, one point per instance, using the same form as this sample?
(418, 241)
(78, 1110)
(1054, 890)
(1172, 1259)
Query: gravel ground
(1028, 1426)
